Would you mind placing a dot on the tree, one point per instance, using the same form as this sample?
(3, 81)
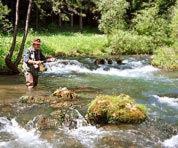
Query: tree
(13, 66)
(5, 25)
(112, 15)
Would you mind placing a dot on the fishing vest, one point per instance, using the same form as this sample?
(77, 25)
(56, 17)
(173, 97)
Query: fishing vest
(32, 55)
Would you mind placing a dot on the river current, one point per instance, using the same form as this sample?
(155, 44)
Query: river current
(155, 88)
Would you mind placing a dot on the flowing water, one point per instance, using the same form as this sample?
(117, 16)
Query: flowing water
(156, 89)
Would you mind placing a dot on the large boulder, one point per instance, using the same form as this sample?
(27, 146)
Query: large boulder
(115, 110)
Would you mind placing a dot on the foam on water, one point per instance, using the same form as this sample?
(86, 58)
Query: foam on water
(136, 72)
(172, 142)
(132, 69)
(166, 100)
(22, 137)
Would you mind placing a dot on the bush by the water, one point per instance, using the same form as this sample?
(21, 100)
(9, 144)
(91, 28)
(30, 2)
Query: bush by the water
(124, 42)
(115, 109)
(165, 58)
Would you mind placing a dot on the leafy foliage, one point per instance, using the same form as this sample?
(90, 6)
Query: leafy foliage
(165, 58)
(148, 22)
(5, 25)
(112, 15)
(124, 42)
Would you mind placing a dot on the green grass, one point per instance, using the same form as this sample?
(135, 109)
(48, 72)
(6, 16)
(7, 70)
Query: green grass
(86, 43)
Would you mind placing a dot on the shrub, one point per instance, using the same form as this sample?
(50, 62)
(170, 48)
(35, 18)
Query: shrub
(174, 23)
(124, 42)
(148, 22)
(112, 15)
(5, 25)
(165, 58)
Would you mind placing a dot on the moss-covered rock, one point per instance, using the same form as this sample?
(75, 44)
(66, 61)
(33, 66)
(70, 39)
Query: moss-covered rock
(115, 110)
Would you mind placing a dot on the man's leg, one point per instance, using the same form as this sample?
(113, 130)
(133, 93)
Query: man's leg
(29, 80)
(35, 80)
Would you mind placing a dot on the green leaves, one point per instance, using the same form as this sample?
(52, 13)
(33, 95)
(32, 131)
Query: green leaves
(112, 15)
(5, 25)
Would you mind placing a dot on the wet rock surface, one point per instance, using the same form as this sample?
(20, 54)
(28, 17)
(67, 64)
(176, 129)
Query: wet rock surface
(103, 61)
(7, 110)
(44, 122)
(62, 103)
(59, 96)
(157, 130)
(64, 93)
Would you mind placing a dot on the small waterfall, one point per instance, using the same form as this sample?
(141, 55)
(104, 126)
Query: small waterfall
(20, 136)
(129, 68)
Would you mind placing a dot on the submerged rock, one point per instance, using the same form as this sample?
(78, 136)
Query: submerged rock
(65, 93)
(100, 61)
(44, 122)
(33, 99)
(61, 109)
(61, 97)
(66, 117)
(63, 117)
(7, 110)
(115, 110)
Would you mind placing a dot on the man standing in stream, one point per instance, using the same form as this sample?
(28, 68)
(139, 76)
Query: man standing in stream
(33, 57)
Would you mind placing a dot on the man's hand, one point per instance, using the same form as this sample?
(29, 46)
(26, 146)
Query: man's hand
(38, 62)
(51, 59)
(35, 62)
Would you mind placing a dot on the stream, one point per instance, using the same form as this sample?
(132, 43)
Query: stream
(155, 88)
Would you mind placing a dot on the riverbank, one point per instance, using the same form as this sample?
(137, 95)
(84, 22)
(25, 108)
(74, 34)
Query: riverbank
(69, 43)
(64, 43)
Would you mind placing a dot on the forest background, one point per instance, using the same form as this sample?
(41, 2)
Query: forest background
(93, 28)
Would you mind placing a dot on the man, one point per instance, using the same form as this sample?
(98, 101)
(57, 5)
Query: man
(33, 57)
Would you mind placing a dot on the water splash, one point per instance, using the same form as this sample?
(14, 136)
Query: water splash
(85, 133)
(21, 137)
(166, 100)
(172, 142)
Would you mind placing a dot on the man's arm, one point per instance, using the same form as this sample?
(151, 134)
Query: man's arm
(27, 59)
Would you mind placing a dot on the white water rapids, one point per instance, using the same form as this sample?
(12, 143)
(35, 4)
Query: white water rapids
(128, 68)
(20, 137)
(14, 136)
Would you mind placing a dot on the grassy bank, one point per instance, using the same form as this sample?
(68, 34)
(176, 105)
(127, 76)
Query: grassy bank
(86, 43)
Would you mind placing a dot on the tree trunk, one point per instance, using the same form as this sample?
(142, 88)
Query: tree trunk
(72, 20)
(60, 21)
(81, 21)
(19, 56)
(37, 18)
(8, 58)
